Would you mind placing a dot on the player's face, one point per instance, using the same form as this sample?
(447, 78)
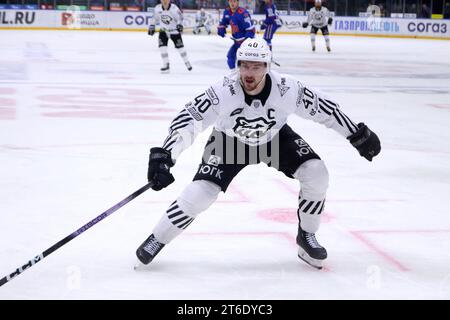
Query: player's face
(233, 4)
(165, 3)
(251, 74)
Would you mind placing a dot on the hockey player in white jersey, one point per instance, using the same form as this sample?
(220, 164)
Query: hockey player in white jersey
(202, 20)
(170, 20)
(249, 109)
(319, 18)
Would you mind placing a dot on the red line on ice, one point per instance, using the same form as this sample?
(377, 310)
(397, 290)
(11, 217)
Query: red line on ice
(358, 235)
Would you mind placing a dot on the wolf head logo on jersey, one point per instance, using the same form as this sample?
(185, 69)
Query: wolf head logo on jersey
(166, 19)
(252, 129)
(318, 15)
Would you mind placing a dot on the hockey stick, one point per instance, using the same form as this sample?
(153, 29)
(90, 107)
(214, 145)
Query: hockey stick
(75, 234)
(276, 63)
(172, 30)
(200, 29)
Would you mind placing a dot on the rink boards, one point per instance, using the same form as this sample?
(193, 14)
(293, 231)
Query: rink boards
(138, 21)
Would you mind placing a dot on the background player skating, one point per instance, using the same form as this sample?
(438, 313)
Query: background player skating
(319, 18)
(241, 28)
(202, 20)
(170, 20)
(271, 23)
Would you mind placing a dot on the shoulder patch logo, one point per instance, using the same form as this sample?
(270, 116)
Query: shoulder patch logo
(227, 81)
(299, 94)
(194, 113)
(212, 96)
(283, 89)
(232, 91)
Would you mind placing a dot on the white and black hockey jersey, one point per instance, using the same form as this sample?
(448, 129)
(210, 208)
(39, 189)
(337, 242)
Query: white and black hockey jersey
(203, 18)
(223, 105)
(167, 19)
(318, 18)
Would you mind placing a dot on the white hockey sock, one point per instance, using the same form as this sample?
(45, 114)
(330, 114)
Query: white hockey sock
(164, 54)
(313, 39)
(183, 54)
(313, 177)
(308, 213)
(327, 40)
(195, 198)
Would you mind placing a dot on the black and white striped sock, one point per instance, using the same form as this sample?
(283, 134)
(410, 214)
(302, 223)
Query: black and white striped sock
(310, 207)
(178, 217)
(309, 213)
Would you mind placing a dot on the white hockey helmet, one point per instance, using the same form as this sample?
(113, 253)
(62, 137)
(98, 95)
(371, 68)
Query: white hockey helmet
(318, 2)
(255, 50)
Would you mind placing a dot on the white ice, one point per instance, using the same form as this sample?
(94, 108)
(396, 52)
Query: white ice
(80, 110)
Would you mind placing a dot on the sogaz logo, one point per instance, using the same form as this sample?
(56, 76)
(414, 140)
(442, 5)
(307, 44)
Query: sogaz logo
(138, 20)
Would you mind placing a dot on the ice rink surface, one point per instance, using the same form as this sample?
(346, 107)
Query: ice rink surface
(80, 110)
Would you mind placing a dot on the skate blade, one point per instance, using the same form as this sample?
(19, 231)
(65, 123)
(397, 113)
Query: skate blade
(315, 263)
(139, 266)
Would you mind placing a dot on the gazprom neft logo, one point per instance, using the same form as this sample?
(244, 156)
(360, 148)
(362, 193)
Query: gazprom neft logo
(371, 24)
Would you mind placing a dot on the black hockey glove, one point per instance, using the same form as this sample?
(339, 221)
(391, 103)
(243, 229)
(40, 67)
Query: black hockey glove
(330, 21)
(159, 166)
(180, 28)
(365, 141)
(305, 24)
(151, 30)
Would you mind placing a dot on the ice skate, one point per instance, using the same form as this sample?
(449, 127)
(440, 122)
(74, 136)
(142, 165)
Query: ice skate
(138, 266)
(148, 250)
(165, 68)
(310, 250)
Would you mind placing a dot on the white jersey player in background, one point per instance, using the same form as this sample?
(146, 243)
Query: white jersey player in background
(249, 109)
(202, 20)
(170, 20)
(319, 18)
